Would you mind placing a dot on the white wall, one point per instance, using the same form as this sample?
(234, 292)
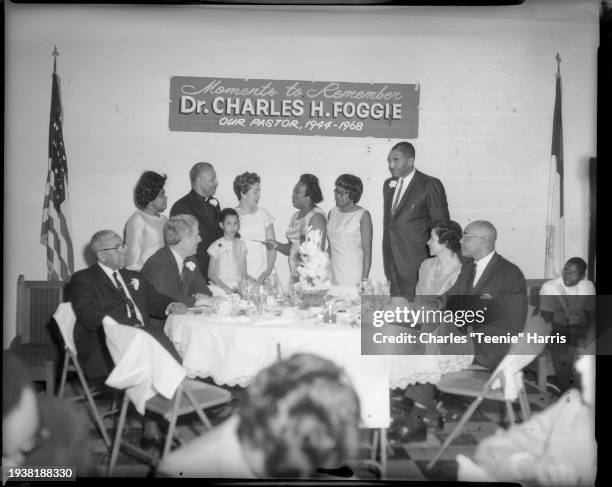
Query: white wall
(487, 93)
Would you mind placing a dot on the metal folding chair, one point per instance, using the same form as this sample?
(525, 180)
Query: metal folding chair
(480, 384)
(65, 318)
(153, 380)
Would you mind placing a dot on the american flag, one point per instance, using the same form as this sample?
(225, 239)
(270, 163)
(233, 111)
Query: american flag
(55, 230)
(555, 228)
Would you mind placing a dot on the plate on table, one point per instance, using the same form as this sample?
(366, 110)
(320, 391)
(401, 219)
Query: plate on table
(273, 310)
(200, 310)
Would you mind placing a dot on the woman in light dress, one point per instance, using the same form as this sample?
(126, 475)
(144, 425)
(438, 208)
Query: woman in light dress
(306, 195)
(349, 231)
(437, 275)
(256, 226)
(144, 231)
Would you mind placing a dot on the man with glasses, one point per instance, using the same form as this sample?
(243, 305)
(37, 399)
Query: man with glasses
(492, 285)
(108, 293)
(413, 203)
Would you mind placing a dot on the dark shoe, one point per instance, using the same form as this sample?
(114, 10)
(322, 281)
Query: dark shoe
(153, 443)
(411, 429)
(434, 420)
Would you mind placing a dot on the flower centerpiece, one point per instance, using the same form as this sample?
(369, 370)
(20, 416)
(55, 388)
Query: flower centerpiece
(313, 270)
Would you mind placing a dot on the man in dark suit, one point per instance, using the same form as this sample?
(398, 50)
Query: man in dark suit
(107, 293)
(492, 285)
(173, 270)
(413, 202)
(200, 203)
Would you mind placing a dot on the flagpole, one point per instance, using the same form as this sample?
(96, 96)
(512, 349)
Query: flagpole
(555, 233)
(55, 53)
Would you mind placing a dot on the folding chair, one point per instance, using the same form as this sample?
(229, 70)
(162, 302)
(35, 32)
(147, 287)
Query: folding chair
(65, 318)
(153, 380)
(480, 385)
(544, 366)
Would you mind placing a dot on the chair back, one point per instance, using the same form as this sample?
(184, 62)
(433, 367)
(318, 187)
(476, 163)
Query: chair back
(533, 291)
(36, 302)
(143, 367)
(66, 319)
(509, 372)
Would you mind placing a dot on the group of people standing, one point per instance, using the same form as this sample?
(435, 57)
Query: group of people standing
(240, 243)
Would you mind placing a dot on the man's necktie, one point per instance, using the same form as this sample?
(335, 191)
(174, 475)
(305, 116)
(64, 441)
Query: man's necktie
(473, 285)
(128, 301)
(397, 196)
(184, 278)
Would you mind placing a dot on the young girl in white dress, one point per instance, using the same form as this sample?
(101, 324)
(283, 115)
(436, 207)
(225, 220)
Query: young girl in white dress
(227, 255)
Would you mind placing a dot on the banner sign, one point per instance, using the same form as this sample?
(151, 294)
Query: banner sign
(263, 106)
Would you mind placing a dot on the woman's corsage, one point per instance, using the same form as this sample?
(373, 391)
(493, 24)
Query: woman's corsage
(135, 283)
(190, 265)
(393, 183)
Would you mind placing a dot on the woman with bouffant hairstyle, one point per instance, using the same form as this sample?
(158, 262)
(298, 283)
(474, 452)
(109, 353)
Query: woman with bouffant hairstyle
(299, 415)
(144, 231)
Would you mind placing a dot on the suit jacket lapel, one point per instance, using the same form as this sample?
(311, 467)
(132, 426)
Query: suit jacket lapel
(171, 261)
(136, 296)
(201, 209)
(487, 273)
(105, 280)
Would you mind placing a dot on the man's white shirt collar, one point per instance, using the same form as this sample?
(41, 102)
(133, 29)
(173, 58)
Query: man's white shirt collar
(179, 260)
(481, 265)
(405, 183)
(109, 272)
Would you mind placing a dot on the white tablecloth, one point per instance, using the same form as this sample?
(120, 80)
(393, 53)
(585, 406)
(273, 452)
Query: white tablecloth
(232, 350)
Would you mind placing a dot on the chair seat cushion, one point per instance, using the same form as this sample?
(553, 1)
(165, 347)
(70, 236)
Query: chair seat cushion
(36, 354)
(206, 395)
(469, 383)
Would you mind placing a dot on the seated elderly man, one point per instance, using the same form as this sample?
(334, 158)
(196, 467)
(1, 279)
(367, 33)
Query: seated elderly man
(568, 302)
(300, 417)
(107, 293)
(173, 270)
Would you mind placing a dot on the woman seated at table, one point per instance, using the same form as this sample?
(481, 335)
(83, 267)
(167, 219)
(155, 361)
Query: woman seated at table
(256, 226)
(299, 415)
(306, 195)
(349, 231)
(144, 231)
(436, 276)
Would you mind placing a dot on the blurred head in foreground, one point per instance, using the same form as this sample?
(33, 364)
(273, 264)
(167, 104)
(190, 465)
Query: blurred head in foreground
(299, 415)
(20, 418)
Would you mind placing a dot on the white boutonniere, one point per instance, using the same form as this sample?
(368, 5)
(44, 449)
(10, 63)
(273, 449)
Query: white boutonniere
(190, 266)
(213, 201)
(135, 283)
(393, 183)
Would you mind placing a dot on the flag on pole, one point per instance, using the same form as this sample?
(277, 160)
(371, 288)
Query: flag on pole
(55, 229)
(555, 230)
